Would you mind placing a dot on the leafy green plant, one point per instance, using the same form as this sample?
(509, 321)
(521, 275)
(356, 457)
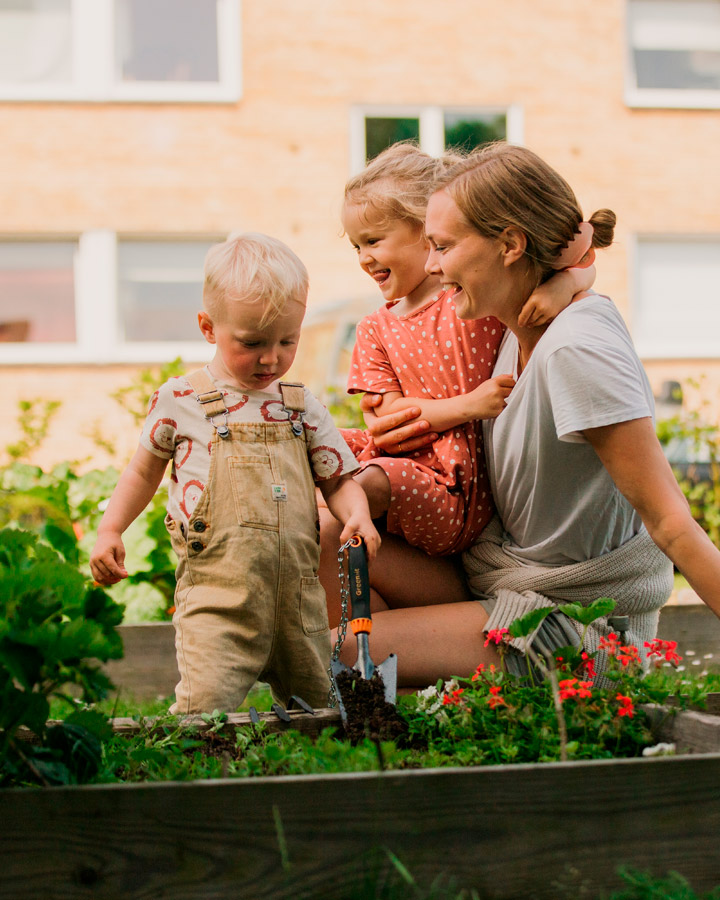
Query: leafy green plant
(54, 627)
(34, 421)
(135, 397)
(344, 408)
(699, 439)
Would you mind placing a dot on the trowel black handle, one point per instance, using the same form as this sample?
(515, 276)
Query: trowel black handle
(359, 585)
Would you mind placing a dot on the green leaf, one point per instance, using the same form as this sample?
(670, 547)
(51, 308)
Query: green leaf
(526, 624)
(603, 606)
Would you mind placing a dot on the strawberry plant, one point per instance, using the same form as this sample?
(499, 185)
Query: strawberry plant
(55, 629)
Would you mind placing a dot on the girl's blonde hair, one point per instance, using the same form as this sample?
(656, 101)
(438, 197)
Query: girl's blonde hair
(253, 267)
(502, 185)
(397, 183)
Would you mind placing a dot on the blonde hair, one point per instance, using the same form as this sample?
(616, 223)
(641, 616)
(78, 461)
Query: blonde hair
(253, 268)
(502, 185)
(397, 183)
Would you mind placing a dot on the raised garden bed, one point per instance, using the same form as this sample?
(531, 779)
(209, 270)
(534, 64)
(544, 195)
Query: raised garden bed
(517, 831)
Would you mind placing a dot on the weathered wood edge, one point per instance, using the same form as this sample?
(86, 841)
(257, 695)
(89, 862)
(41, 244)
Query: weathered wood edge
(513, 832)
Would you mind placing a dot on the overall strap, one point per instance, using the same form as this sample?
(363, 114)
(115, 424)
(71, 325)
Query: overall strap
(210, 398)
(293, 398)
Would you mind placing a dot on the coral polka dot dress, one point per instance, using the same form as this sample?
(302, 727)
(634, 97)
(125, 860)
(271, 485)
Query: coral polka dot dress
(440, 496)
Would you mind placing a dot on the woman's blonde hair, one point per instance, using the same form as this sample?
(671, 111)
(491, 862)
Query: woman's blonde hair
(253, 267)
(502, 185)
(397, 183)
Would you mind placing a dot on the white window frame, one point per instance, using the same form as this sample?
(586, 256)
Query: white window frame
(96, 312)
(432, 125)
(706, 344)
(93, 77)
(660, 98)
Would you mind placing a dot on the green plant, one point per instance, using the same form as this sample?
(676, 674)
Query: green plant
(697, 438)
(135, 397)
(344, 408)
(34, 420)
(54, 626)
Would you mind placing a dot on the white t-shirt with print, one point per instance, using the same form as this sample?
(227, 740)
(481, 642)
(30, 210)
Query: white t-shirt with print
(557, 501)
(176, 428)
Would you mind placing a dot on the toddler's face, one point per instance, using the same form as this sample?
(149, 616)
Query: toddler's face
(392, 253)
(249, 355)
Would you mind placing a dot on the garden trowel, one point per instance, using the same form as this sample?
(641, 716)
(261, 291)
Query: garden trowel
(361, 626)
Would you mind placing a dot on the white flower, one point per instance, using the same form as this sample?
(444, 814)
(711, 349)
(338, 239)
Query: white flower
(659, 750)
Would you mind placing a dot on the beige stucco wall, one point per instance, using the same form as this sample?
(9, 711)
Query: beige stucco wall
(276, 161)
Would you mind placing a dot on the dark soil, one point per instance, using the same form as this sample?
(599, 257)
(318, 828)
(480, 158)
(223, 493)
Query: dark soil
(368, 713)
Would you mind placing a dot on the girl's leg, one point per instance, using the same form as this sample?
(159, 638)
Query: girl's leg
(431, 642)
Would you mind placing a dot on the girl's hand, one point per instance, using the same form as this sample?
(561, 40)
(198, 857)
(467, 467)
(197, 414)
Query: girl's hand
(362, 525)
(107, 560)
(552, 297)
(490, 398)
(397, 433)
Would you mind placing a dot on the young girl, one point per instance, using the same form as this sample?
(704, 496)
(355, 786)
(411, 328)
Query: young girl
(416, 351)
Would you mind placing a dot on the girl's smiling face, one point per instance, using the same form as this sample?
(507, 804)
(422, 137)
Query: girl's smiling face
(393, 252)
(467, 262)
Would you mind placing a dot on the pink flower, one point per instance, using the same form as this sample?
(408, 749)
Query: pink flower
(498, 635)
(626, 706)
(663, 650)
(495, 699)
(588, 663)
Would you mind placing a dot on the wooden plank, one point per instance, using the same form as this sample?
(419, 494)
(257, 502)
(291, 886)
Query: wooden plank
(300, 721)
(697, 630)
(508, 832)
(691, 731)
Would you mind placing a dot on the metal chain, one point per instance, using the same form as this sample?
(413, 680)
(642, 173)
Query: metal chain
(342, 627)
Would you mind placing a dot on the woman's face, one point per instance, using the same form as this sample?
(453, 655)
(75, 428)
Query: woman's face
(465, 260)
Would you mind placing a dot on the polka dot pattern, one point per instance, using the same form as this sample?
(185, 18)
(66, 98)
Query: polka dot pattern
(441, 497)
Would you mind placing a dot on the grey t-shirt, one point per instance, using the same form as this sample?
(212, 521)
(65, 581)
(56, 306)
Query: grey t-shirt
(556, 500)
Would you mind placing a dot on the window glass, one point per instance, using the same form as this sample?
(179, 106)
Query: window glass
(37, 292)
(382, 131)
(35, 41)
(677, 309)
(160, 289)
(465, 131)
(166, 40)
(676, 44)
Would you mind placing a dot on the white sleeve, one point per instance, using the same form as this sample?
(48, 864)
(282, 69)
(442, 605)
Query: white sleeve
(329, 455)
(592, 385)
(160, 429)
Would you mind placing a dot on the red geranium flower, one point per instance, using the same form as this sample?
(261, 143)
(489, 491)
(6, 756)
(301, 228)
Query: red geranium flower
(626, 706)
(498, 635)
(495, 699)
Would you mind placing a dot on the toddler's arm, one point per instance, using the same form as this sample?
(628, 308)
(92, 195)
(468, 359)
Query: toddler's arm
(346, 500)
(484, 402)
(554, 295)
(135, 489)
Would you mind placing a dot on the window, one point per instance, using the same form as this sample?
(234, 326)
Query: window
(676, 311)
(100, 299)
(435, 128)
(152, 50)
(674, 53)
(37, 292)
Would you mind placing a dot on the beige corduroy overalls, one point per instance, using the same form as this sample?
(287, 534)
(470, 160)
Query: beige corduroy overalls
(248, 603)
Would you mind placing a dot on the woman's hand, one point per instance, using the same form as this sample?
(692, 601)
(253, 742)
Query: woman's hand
(398, 433)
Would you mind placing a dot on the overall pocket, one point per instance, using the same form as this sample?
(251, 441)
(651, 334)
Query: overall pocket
(251, 480)
(313, 608)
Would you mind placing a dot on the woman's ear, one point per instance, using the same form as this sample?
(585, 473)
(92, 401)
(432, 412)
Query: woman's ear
(206, 326)
(513, 244)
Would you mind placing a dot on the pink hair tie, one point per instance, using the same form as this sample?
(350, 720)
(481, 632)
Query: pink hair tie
(579, 252)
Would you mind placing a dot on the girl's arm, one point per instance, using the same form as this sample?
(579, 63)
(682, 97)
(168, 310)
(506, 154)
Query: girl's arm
(631, 453)
(552, 297)
(346, 500)
(484, 402)
(135, 489)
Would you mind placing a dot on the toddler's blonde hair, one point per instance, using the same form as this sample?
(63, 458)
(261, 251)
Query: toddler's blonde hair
(255, 268)
(397, 183)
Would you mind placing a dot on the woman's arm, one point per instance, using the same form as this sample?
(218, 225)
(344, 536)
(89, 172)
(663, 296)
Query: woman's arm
(400, 432)
(484, 402)
(631, 453)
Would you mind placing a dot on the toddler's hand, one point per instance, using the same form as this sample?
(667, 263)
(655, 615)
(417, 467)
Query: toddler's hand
(363, 526)
(539, 309)
(488, 400)
(107, 560)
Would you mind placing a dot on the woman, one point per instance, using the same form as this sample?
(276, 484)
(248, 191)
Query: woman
(588, 503)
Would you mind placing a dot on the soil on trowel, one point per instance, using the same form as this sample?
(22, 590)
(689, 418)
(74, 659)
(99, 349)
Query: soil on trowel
(368, 712)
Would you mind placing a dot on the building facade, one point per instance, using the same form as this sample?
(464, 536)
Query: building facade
(138, 132)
